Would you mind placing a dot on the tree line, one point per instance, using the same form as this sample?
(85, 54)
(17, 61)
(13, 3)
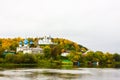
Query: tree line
(51, 53)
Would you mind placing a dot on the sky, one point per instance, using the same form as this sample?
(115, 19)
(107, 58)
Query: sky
(94, 24)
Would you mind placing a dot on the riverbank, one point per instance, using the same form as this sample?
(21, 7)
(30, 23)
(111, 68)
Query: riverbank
(56, 66)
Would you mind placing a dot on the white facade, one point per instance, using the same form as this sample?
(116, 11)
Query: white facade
(45, 41)
(29, 50)
(26, 49)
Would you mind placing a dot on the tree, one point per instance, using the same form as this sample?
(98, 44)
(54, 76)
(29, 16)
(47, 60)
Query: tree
(109, 57)
(47, 51)
(90, 56)
(116, 57)
(9, 58)
(29, 58)
(13, 45)
(18, 58)
(56, 51)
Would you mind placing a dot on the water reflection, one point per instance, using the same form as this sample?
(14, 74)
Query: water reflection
(60, 74)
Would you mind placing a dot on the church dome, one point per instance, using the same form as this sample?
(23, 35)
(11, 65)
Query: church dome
(26, 41)
(31, 42)
(20, 43)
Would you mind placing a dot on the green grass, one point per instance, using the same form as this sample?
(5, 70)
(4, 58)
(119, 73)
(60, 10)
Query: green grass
(67, 62)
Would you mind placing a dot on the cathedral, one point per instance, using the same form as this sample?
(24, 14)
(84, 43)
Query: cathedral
(24, 46)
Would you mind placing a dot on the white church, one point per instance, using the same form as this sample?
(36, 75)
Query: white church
(25, 48)
(46, 41)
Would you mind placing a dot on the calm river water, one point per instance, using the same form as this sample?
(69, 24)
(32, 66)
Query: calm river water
(60, 74)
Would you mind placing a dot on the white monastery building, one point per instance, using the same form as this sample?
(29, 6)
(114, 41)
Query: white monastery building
(25, 48)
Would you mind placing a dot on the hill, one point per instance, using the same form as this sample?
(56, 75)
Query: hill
(62, 45)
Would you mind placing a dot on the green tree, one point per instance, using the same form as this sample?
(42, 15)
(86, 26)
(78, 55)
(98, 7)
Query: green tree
(101, 56)
(18, 58)
(116, 57)
(109, 58)
(90, 56)
(9, 58)
(29, 58)
(47, 51)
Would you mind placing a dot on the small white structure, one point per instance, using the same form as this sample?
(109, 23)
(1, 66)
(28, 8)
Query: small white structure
(64, 54)
(97, 63)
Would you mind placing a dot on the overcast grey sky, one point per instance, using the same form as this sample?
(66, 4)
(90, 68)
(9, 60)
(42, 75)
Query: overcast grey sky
(92, 23)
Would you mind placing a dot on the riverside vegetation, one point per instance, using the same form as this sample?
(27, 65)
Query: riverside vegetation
(51, 55)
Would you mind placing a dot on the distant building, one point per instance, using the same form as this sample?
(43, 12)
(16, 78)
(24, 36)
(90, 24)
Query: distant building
(46, 40)
(26, 49)
(64, 54)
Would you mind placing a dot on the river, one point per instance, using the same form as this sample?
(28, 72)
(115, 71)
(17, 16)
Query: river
(60, 74)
